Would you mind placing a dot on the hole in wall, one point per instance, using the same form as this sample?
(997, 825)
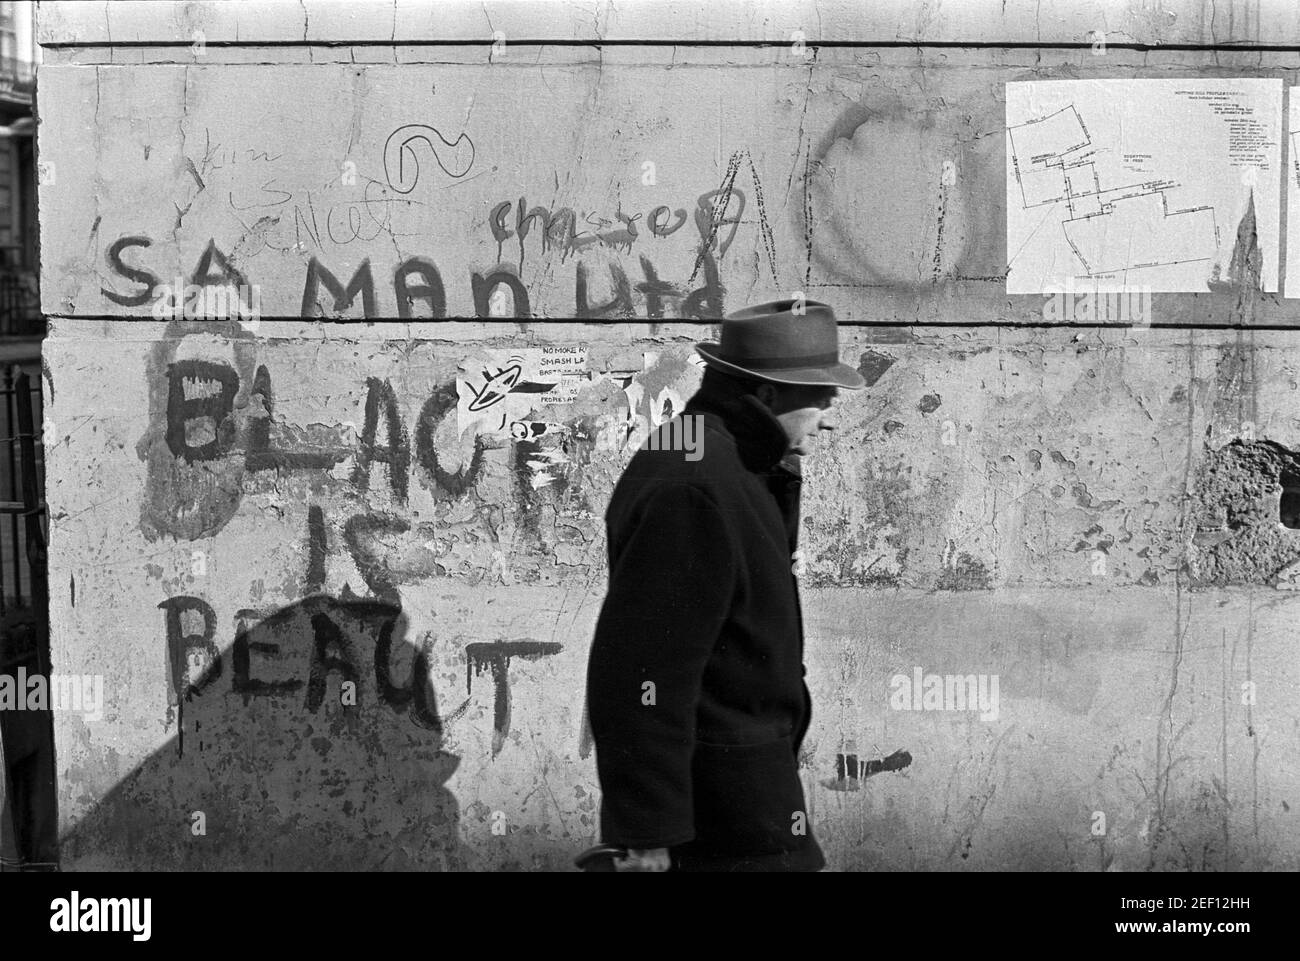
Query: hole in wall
(1289, 504)
(1246, 507)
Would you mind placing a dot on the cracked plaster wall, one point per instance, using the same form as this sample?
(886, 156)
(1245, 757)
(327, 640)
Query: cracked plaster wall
(245, 521)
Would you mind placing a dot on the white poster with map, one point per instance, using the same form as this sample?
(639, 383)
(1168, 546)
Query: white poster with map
(1142, 184)
(1292, 280)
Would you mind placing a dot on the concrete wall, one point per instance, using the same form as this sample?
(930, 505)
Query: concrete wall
(247, 518)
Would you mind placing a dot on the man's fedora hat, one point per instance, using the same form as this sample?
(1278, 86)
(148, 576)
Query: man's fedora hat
(771, 342)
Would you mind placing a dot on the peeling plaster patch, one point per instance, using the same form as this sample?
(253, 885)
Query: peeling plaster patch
(572, 555)
(388, 552)
(49, 376)
(873, 555)
(872, 365)
(1103, 544)
(189, 502)
(888, 335)
(664, 371)
(929, 403)
(1245, 270)
(967, 354)
(965, 573)
(1084, 499)
(1239, 537)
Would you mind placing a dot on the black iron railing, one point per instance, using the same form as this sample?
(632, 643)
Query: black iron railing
(22, 497)
(28, 797)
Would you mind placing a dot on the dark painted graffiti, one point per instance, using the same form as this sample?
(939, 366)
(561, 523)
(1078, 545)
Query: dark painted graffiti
(134, 274)
(501, 276)
(208, 444)
(496, 657)
(270, 648)
(317, 549)
(195, 409)
(193, 659)
(363, 534)
(441, 403)
(213, 269)
(259, 454)
(430, 289)
(361, 283)
(704, 303)
(851, 770)
(711, 214)
(216, 435)
(327, 636)
(565, 230)
(620, 305)
(330, 633)
(396, 453)
(418, 286)
(185, 412)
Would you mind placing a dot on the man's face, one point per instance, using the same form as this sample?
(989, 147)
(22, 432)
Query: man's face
(804, 412)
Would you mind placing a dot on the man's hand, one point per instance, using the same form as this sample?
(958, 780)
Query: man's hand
(650, 859)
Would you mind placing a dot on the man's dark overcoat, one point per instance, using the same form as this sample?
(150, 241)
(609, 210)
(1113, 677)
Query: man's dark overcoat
(695, 686)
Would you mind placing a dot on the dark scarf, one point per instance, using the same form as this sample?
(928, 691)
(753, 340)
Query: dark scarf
(759, 436)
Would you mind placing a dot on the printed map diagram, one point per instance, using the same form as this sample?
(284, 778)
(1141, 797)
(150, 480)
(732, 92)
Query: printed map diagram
(1138, 183)
(1059, 167)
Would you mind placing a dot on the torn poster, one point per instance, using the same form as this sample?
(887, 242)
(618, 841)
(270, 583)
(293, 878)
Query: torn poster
(1161, 185)
(504, 387)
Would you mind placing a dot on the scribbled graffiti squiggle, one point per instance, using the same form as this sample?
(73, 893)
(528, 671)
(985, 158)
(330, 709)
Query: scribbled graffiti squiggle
(455, 157)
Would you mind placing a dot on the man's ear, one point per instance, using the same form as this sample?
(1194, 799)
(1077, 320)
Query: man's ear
(766, 394)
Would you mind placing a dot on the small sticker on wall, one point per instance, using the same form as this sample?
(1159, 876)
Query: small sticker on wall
(504, 386)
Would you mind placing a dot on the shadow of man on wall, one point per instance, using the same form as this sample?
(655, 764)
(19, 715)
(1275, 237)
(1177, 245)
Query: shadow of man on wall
(313, 742)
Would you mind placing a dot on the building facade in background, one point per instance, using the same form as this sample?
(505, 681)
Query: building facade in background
(19, 311)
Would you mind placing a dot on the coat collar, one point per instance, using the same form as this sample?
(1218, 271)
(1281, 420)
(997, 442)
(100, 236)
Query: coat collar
(760, 439)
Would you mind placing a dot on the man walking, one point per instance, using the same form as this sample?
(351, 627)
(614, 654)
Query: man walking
(695, 687)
